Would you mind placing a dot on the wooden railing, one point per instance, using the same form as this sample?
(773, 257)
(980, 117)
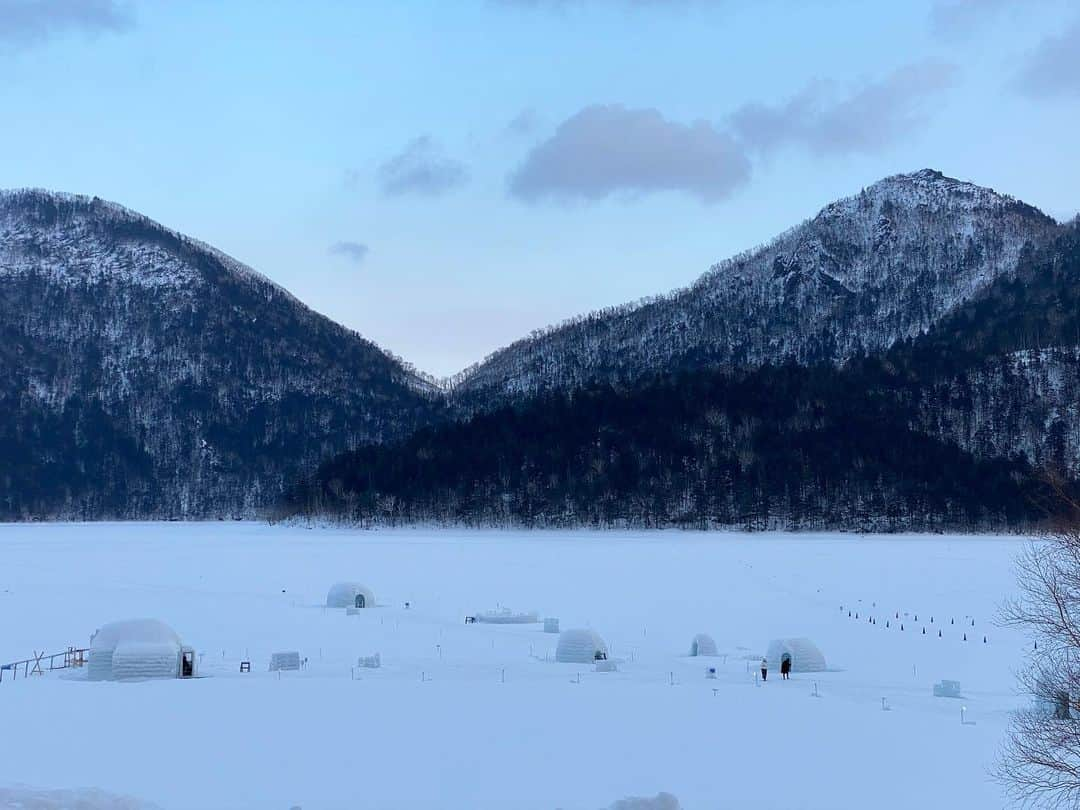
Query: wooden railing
(42, 663)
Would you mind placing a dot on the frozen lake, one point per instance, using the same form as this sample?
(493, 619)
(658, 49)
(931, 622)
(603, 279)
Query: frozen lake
(477, 716)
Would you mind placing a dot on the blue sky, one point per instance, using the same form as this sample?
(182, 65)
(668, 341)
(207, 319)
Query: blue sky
(445, 177)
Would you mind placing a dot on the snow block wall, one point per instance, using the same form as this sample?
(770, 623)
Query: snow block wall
(506, 616)
(579, 647)
(140, 660)
(344, 595)
(133, 650)
(702, 644)
(285, 661)
(805, 656)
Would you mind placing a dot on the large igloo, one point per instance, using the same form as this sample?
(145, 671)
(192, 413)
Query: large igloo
(580, 647)
(350, 595)
(804, 655)
(138, 649)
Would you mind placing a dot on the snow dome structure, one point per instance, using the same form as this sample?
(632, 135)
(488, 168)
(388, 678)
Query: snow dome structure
(350, 595)
(138, 649)
(702, 644)
(804, 655)
(580, 647)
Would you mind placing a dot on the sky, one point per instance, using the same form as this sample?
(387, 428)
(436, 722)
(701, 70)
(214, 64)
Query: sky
(445, 176)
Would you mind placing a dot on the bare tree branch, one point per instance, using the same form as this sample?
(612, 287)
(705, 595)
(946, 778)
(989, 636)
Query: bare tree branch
(1040, 761)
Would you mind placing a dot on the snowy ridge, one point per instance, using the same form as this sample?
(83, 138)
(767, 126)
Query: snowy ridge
(866, 271)
(82, 214)
(184, 382)
(66, 249)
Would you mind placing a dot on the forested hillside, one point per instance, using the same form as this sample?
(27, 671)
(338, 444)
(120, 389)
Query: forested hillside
(945, 431)
(144, 374)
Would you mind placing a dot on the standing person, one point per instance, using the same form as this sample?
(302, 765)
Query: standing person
(785, 668)
(764, 670)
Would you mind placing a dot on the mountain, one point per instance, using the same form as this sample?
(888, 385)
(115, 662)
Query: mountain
(908, 358)
(145, 374)
(867, 271)
(948, 430)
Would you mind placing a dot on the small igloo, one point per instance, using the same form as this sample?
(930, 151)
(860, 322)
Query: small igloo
(803, 653)
(580, 647)
(702, 644)
(138, 649)
(350, 595)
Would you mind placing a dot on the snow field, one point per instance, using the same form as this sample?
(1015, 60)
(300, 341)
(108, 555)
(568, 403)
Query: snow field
(480, 715)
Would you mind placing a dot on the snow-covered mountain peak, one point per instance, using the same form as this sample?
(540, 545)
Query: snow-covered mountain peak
(929, 189)
(867, 270)
(76, 238)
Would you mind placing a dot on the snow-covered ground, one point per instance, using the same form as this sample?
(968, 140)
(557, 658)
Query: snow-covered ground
(477, 716)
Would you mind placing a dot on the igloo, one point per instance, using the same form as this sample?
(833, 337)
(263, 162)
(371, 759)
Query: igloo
(350, 595)
(580, 647)
(138, 649)
(804, 655)
(702, 644)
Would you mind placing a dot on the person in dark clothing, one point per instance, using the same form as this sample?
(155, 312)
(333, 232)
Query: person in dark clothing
(764, 670)
(785, 667)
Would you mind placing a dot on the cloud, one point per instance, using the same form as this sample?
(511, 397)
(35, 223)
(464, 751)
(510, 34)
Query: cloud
(951, 19)
(28, 22)
(661, 801)
(355, 252)
(827, 121)
(1053, 67)
(565, 4)
(352, 179)
(524, 123)
(421, 168)
(604, 150)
